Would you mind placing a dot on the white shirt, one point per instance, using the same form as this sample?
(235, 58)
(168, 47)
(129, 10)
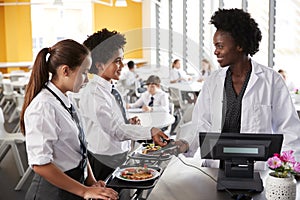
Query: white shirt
(51, 133)
(178, 73)
(130, 78)
(160, 102)
(106, 131)
(266, 108)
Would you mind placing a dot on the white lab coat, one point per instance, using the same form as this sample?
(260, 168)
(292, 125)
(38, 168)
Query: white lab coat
(267, 107)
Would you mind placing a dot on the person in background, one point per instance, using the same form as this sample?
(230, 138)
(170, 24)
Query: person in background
(291, 86)
(243, 96)
(55, 142)
(177, 74)
(131, 76)
(206, 70)
(154, 99)
(109, 132)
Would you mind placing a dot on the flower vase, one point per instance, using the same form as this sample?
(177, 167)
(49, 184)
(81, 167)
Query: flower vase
(280, 188)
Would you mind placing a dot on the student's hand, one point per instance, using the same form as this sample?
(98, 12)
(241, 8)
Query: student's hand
(99, 184)
(97, 192)
(147, 108)
(180, 79)
(159, 137)
(135, 121)
(127, 106)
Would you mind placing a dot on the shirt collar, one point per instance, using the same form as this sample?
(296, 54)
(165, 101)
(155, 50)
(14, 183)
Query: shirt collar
(63, 97)
(103, 82)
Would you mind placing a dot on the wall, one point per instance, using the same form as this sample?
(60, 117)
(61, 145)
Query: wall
(15, 33)
(127, 20)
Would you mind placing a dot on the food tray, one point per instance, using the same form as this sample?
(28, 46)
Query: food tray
(115, 182)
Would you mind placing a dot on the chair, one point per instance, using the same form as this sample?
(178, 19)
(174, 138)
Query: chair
(8, 95)
(23, 179)
(16, 74)
(127, 92)
(10, 141)
(139, 88)
(19, 100)
(177, 99)
(167, 131)
(186, 117)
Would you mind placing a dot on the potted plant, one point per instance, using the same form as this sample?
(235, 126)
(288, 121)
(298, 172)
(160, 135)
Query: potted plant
(280, 183)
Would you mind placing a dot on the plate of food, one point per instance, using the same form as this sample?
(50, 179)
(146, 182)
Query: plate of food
(136, 174)
(149, 149)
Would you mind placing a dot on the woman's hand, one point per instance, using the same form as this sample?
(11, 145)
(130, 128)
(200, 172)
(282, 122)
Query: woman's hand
(98, 192)
(182, 146)
(99, 184)
(147, 108)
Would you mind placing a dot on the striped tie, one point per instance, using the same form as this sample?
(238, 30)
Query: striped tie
(151, 102)
(120, 103)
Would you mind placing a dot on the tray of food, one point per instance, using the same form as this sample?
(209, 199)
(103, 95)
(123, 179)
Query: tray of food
(134, 177)
(135, 174)
(150, 150)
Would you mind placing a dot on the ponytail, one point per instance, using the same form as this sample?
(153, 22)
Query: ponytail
(39, 76)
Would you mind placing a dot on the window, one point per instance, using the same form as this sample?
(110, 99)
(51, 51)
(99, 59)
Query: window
(53, 22)
(286, 45)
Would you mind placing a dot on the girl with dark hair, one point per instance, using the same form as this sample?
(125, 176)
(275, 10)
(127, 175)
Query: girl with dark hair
(55, 141)
(109, 131)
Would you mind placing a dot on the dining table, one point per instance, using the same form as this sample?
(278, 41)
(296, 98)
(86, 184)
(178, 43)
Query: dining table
(152, 119)
(188, 86)
(16, 74)
(184, 86)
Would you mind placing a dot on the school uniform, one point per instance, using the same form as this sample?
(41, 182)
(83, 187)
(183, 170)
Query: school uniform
(160, 101)
(175, 74)
(52, 137)
(108, 134)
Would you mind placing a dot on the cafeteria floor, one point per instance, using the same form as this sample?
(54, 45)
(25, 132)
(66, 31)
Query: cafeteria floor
(9, 175)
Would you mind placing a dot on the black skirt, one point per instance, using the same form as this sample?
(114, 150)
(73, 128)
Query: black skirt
(41, 189)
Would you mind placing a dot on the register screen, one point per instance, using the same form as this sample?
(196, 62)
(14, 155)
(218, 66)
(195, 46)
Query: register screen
(240, 150)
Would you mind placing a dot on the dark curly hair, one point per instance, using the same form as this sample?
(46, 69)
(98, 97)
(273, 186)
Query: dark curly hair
(241, 26)
(103, 44)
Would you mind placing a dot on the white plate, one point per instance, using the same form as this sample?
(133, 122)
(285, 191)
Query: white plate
(140, 152)
(154, 172)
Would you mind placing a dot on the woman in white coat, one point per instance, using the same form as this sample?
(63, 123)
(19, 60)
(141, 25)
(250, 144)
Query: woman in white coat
(243, 96)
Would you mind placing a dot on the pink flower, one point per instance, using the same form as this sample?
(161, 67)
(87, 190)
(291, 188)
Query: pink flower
(296, 167)
(277, 155)
(274, 162)
(287, 156)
